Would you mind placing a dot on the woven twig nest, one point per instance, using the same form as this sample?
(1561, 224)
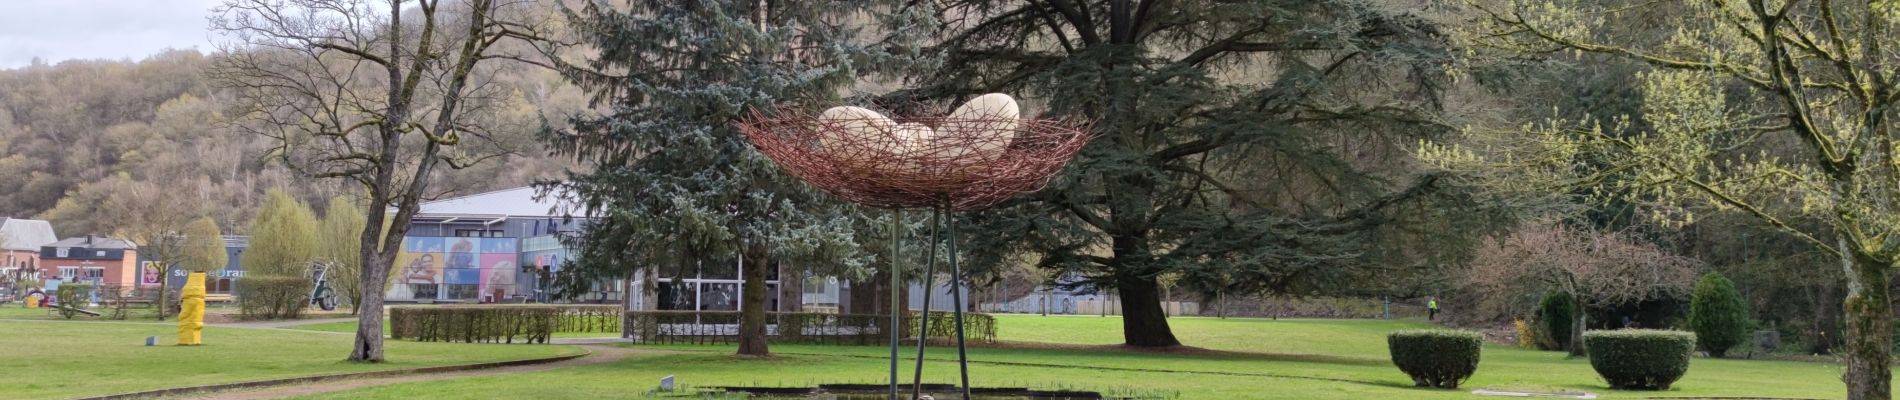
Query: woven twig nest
(967, 160)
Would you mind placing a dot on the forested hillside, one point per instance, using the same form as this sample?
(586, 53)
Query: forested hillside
(80, 138)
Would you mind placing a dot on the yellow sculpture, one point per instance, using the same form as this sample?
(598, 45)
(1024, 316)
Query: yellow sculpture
(191, 310)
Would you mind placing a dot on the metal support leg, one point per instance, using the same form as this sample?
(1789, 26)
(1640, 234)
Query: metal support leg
(897, 307)
(956, 293)
(923, 323)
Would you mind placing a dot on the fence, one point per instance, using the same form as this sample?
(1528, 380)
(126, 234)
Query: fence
(722, 327)
(499, 323)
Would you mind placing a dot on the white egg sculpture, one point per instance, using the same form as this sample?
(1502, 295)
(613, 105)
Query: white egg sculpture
(910, 142)
(858, 130)
(987, 123)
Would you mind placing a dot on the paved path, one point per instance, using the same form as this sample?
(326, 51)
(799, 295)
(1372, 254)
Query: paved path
(599, 354)
(273, 324)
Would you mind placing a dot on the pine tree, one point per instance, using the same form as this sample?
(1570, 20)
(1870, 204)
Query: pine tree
(1717, 315)
(671, 180)
(1237, 142)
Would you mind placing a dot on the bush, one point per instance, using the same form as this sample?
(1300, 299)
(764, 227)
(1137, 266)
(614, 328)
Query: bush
(721, 327)
(72, 297)
(1717, 315)
(500, 323)
(272, 297)
(1526, 338)
(1640, 359)
(1558, 315)
(1436, 358)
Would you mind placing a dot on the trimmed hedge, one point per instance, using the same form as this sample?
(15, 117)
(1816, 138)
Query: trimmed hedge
(1434, 357)
(1717, 315)
(1640, 359)
(499, 323)
(272, 297)
(722, 327)
(1557, 314)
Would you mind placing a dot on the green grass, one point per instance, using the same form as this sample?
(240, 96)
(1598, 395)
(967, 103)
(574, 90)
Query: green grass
(350, 327)
(59, 359)
(1285, 359)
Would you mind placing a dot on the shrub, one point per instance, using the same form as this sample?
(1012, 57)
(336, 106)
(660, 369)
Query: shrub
(1436, 358)
(272, 297)
(1640, 359)
(719, 327)
(1717, 315)
(1558, 313)
(1526, 338)
(500, 323)
(71, 298)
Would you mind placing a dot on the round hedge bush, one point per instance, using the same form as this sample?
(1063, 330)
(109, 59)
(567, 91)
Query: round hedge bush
(1717, 315)
(1640, 359)
(1436, 358)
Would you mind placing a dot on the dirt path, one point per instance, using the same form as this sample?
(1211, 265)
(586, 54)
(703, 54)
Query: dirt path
(599, 355)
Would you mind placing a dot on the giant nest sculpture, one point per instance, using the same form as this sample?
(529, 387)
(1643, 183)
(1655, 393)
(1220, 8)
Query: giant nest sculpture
(980, 154)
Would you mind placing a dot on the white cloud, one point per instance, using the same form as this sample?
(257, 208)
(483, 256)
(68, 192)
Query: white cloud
(57, 30)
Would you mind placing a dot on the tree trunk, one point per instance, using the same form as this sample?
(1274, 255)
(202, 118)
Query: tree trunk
(752, 334)
(1144, 323)
(369, 318)
(1869, 318)
(1576, 330)
(791, 290)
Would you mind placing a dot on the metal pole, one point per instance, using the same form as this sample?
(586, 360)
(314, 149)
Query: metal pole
(923, 323)
(897, 217)
(956, 293)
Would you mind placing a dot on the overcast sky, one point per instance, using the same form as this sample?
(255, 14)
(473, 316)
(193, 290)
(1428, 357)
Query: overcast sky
(56, 30)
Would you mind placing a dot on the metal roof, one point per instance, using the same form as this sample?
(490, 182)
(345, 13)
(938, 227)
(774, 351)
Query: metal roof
(25, 234)
(516, 202)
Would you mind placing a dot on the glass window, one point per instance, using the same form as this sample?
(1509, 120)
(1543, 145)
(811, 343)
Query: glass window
(677, 296)
(719, 297)
(464, 292)
(422, 290)
(68, 273)
(95, 273)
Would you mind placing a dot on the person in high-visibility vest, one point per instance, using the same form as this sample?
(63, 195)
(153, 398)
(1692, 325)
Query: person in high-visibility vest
(1432, 307)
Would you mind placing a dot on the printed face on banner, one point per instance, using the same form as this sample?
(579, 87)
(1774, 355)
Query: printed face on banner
(498, 273)
(423, 268)
(149, 273)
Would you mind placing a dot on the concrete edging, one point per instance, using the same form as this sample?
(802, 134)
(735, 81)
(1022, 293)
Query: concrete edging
(317, 378)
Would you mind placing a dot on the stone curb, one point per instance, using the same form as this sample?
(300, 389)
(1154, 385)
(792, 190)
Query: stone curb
(316, 378)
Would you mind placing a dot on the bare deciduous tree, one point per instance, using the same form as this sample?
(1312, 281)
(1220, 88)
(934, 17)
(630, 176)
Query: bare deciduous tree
(376, 93)
(1596, 268)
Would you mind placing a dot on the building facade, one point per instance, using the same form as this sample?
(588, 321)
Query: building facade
(95, 260)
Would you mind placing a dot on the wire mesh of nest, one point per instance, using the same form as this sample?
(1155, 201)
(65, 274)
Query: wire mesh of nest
(956, 163)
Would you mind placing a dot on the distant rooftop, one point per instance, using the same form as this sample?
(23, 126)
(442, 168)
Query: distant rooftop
(25, 234)
(95, 242)
(516, 202)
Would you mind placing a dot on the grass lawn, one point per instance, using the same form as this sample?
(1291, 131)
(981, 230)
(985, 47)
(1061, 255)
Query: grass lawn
(350, 327)
(60, 359)
(1286, 359)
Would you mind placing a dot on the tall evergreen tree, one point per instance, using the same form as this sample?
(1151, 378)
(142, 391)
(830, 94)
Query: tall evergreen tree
(1244, 146)
(672, 182)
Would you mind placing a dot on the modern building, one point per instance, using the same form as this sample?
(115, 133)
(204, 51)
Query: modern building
(497, 246)
(95, 260)
(218, 284)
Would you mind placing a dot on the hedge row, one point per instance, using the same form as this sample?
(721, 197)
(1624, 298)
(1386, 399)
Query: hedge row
(1639, 358)
(499, 323)
(272, 297)
(720, 327)
(1436, 358)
